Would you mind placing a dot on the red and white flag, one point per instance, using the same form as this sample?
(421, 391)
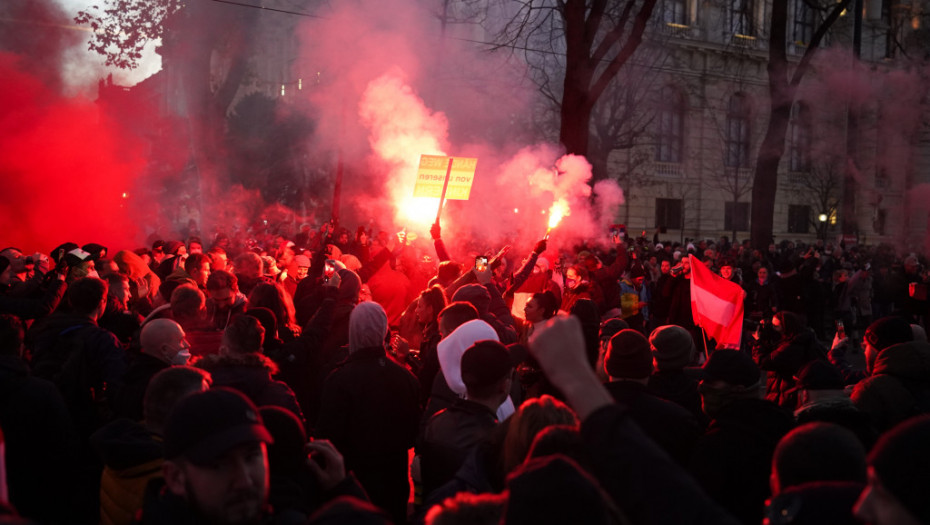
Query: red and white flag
(716, 305)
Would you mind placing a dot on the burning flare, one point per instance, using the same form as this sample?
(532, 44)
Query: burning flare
(558, 210)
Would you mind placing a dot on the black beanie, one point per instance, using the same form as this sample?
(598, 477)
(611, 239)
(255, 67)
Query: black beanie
(628, 356)
(901, 460)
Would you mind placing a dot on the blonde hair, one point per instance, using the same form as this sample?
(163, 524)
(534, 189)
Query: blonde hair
(531, 418)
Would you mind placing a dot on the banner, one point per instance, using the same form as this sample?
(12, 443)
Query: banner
(431, 175)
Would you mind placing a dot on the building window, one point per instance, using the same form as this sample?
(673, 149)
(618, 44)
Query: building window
(736, 216)
(737, 132)
(670, 133)
(799, 218)
(674, 12)
(741, 17)
(668, 213)
(804, 22)
(799, 140)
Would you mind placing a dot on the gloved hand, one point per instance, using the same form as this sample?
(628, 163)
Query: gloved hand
(435, 231)
(540, 247)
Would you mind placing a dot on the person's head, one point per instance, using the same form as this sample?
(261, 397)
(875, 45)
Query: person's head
(762, 274)
(898, 477)
(188, 305)
(911, 264)
(303, 266)
(487, 371)
(466, 508)
(885, 332)
(274, 298)
(533, 416)
(368, 326)
(726, 268)
(17, 262)
(665, 266)
(244, 335)
(788, 324)
(576, 275)
(87, 296)
(672, 347)
(542, 306)
(197, 265)
(475, 294)
(728, 375)
(840, 276)
(285, 257)
(218, 258)
(249, 265)
(166, 388)
(448, 271)
(686, 266)
(637, 275)
(11, 335)
(222, 287)
(194, 245)
(819, 380)
(118, 288)
(216, 457)
(454, 315)
(165, 340)
(817, 452)
(430, 303)
(628, 356)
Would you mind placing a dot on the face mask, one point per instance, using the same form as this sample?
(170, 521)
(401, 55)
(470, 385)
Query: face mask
(181, 358)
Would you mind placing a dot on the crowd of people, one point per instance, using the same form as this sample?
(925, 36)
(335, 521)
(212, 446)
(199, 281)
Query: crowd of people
(331, 377)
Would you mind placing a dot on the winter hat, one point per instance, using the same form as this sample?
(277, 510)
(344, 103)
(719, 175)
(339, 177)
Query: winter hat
(302, 261)
(819, 375)
(628, 356)
(556, 490)
(888, 331)
(351, 262)
(543, 264)
(672, 347)
(59, 253)
(732, 367)
(96, 251)
(611, 327)
(206, 425)
(475, 294)
(485, 363)
(901, 460)
(637, 271)
(171, 247)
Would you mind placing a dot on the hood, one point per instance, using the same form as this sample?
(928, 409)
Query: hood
(909, 360)
(213, 362)
(475, 294)
(368, 326)
(124, 443)
(451, 348)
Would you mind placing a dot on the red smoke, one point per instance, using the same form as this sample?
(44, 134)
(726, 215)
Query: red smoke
(64, 168)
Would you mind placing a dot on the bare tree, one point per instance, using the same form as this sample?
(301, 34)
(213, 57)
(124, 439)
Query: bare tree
(783, 81)
(576, 49)
(821, 190)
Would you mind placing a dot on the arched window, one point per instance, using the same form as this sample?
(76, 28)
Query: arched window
(670, 121)
(800, 138)
(737, 132)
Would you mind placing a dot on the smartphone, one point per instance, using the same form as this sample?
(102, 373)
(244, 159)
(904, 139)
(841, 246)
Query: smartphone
(840, 330)
(481, 263)
(328, 270)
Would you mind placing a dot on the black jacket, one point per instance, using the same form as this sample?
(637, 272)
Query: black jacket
(448, 437)
(251, 375)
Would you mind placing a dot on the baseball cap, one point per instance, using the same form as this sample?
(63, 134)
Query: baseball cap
(206, 425)
(485, 362)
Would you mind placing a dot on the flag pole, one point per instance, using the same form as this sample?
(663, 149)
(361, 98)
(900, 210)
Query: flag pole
(704, 338)
(445, 185)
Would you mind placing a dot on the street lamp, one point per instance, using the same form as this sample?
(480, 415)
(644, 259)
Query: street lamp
(823, 227)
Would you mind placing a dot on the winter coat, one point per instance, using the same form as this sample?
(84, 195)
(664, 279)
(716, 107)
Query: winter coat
(733, 459)
(251, 374)
(899, 386)
(370, 411)
(132, 456)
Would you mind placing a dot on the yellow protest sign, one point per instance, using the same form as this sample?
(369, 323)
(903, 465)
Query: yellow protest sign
(431, 175)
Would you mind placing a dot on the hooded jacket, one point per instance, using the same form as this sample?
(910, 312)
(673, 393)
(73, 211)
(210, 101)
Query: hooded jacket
(899, 386)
